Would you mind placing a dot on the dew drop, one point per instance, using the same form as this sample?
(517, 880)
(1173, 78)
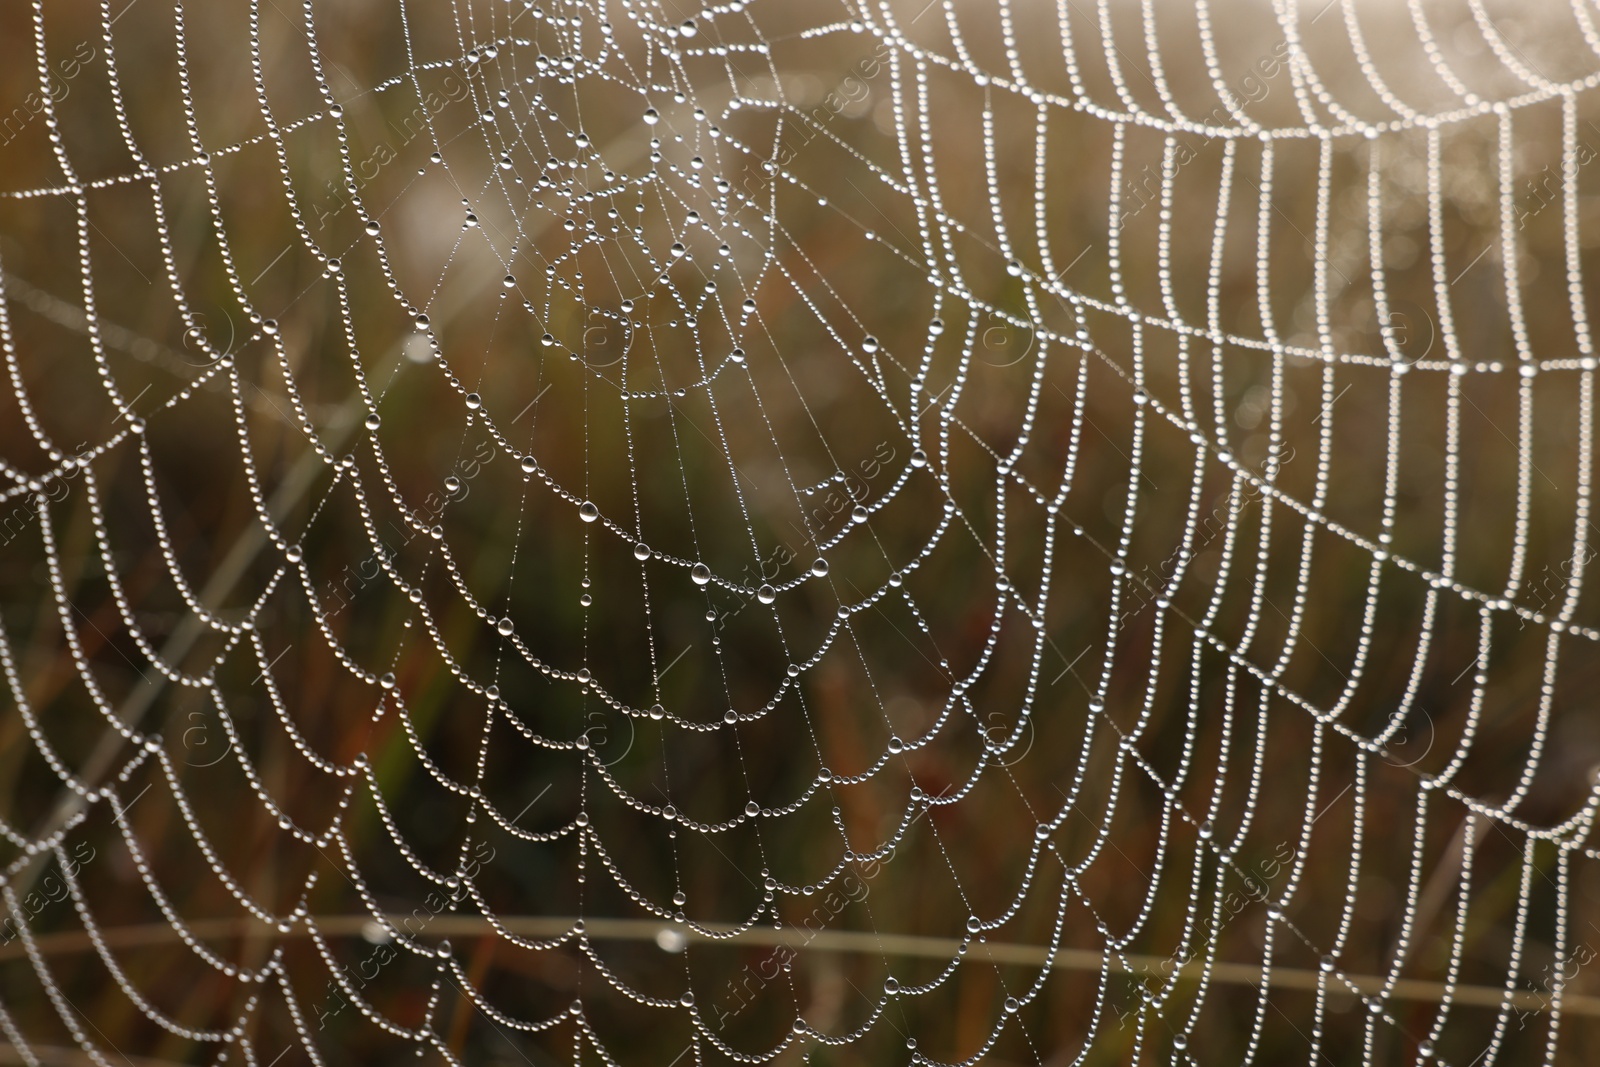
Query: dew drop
(505, 626)
(651, 116)
(701, 574)
(819, 568)
(387, 680)
(891, 986)
(919, 458)
(474, 401)
(294, 553)
(373, 422)
(766, 594)
(269, 327)
(588, 512)
(859, 513)
(373, 228)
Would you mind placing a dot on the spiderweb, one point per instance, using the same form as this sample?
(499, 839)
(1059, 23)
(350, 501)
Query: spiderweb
(914, 532)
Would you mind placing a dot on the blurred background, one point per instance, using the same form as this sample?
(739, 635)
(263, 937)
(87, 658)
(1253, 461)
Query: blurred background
(1006, 533)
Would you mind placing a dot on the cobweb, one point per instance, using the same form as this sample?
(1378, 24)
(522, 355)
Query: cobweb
(936, 532)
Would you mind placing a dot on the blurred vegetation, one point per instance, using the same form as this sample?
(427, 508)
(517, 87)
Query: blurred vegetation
(753, 468)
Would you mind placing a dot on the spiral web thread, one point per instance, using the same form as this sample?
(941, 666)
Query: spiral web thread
(1378, 142)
